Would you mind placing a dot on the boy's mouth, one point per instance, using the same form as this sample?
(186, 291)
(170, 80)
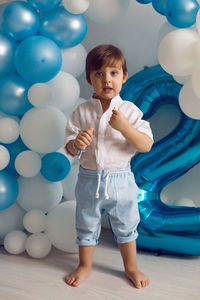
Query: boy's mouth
(107, 89)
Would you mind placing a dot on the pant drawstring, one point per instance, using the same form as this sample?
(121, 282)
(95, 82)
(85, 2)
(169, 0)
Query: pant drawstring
(106, 187)
(98, 186)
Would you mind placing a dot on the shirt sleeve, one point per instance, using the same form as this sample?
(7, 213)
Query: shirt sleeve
(73, 126)
(140, 124)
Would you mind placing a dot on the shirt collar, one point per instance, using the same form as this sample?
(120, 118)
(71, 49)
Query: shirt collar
(114, 102)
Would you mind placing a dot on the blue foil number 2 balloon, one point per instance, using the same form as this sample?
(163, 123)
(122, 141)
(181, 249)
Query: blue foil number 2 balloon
(164, 228)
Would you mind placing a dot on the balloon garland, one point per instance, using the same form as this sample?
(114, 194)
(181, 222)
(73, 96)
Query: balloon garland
(40, 58)
(178, 52)
(33, 76)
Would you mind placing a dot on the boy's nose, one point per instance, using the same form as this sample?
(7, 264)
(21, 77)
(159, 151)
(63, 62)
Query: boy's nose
(107, 78)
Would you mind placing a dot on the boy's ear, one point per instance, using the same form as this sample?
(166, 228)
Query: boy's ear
(125, 77)
(89, 81)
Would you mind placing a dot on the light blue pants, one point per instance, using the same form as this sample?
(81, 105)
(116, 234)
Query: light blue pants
(113, 191)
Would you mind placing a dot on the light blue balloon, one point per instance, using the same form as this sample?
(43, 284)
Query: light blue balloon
(20, 20)
(55, 166)
(65, 29)
(169, 159)
(160, 6)
(8, 189)
(13, 99)
(8, 47)
(14, 149)
(38, 59)
(44, 5)
(181, 13)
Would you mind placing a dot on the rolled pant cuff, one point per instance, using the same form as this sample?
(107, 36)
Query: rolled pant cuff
(128, 239)
(86, 242)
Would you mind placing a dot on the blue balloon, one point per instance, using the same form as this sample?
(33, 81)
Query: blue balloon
(14, 149)
(181, 13)
(44, 5)
(13, 99)
(65, 29)
(8, 189)
(20, 20)
(169, 159)
(38, 59)
(160, 6)
(166, 243)
(2, 7)
(144, 1)
(8, 47)
(55, 166)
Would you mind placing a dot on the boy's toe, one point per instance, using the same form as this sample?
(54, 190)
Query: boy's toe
(138, 285)
(76, 283)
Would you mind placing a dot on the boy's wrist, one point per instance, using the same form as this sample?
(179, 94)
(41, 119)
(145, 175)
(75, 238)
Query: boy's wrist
(75, 146)
(78, 150)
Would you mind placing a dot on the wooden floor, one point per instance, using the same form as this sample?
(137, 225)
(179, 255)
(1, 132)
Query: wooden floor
(24, 278)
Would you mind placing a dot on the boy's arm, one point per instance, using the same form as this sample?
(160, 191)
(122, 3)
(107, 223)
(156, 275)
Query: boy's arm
(139, 140)
(69, 148)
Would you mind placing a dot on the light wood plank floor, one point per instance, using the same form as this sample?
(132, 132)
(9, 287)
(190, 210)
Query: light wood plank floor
(24, 278)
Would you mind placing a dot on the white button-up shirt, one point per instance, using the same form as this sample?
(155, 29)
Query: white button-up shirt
(109, 148)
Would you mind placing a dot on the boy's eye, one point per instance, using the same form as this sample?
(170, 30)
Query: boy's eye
(114, 73)
(99, 74)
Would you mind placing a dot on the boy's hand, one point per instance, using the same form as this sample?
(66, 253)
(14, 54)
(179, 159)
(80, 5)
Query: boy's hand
(84, 138)
(118, 121)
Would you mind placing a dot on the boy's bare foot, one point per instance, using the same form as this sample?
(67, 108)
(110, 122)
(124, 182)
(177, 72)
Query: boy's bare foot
(139, 279)
(77, 276)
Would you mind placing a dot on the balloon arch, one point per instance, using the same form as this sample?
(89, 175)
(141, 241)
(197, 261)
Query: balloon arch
(40, 58)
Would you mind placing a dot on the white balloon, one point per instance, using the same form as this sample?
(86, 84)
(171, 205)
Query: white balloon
(176, 52)
(38, 94)
(195, 82)
(198, 21)
(69, 182)
(65, 90)
(35, 221)
(4, 157)
(39, 193)
(106, 11)
(61, 226)
(3, 115)
(76, 6)
(9, 130)
(184, 202)
(14, 242)
(72, 108)
(165, 29)
(62, 150)
(11, 219)
(73, 60)
(189, 102)
(28, 163)
(38, 245)
(182, 79)
(43, 129)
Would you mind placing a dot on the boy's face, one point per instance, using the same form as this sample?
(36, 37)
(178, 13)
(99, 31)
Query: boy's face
(107, 81)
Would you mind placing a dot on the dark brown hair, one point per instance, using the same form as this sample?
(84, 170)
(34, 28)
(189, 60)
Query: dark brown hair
(104, 55)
